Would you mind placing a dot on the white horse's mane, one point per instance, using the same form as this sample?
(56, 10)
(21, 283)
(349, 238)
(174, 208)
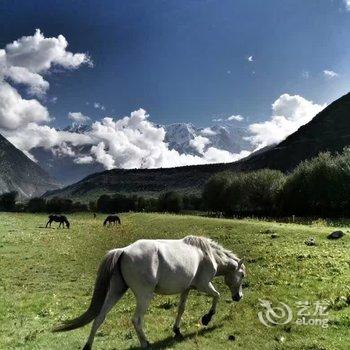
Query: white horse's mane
(209, 246)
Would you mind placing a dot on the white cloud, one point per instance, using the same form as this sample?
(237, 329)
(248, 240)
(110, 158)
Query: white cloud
(208, 132)
(330, 74)
(35, 82)
(78, 117)
(238, 118)
(215, 155)
(38, 54)
(289, 113)
(26, 60)
(16, 111)
(34, 135)
(250, 58)
(98, 105)
(199, 143)
(135, 142)
(347, 4)
(84, 160)
(217, 120)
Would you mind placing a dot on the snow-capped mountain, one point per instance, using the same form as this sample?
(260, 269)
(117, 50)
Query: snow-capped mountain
(59, 162)
(228, 137)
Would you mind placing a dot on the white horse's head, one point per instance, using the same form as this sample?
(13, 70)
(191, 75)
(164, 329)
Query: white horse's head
(234, 278)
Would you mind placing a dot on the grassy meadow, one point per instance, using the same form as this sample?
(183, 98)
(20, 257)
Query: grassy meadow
(47, 275)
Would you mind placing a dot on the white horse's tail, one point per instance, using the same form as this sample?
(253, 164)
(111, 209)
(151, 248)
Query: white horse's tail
(109, 266)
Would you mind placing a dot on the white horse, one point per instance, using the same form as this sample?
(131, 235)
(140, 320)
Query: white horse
(162, 267)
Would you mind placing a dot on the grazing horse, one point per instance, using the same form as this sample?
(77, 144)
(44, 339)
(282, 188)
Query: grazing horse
(112, 219)
(162, 267)
(62, 219)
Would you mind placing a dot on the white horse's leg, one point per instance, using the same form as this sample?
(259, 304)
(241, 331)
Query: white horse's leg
(113, 296)
(141, 308)
(180, 311)
(210, 290)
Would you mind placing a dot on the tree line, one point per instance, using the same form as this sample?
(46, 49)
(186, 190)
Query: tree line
(317, 187)
(166, 202)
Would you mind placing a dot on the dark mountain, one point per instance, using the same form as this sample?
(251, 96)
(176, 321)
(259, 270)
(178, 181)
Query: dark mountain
(19, 173)
(328, 131)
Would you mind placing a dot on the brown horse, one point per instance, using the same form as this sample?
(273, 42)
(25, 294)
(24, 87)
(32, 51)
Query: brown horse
(58, 218)
(112, 219)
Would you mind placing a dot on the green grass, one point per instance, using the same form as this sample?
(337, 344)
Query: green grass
(47, 275)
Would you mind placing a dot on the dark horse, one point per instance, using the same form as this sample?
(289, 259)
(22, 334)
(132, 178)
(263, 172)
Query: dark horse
(58, 218)
(112, 219)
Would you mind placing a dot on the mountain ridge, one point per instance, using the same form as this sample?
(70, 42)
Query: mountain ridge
(19, 173)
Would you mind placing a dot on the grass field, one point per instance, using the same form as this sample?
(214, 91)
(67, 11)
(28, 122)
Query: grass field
(47, 275)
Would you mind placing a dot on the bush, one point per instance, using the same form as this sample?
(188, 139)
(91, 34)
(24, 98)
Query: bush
(244, 193)
(59, 205)
(8, 201)
(170, 201)
(215, 191)
(320, 186)
(36, 205)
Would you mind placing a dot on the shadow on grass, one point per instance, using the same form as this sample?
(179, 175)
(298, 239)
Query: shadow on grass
(52, 228)
(171, 340)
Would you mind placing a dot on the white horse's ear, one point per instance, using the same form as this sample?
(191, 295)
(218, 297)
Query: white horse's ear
(240, 262)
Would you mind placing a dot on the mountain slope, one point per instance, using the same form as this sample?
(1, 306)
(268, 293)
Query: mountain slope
(328, 131)
(19, 173)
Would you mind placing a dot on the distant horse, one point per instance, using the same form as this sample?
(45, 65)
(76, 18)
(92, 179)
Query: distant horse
(112, 219)
(162, 267)
(58, 218)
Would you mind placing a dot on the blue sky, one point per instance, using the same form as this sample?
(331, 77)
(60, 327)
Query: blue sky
(187, 60)
(274, 64)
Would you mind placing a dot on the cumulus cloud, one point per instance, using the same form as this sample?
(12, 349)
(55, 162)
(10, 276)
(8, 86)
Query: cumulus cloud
(33, 135)
(250, 58)
(347, 4)
(38, 54)
(35, 82)
(26, 61)
(78, 117)
(16, 111)
(135, 142)
(238, 118)
(289, 113)
(329, 74)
